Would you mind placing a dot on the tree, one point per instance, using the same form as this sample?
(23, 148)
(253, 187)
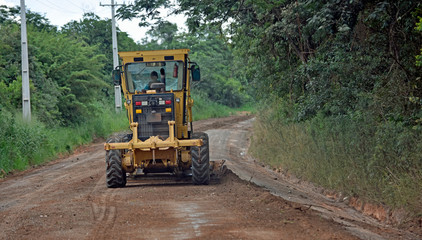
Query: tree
(419, 28)
(94, 31)
(146, 10)
(163, 33)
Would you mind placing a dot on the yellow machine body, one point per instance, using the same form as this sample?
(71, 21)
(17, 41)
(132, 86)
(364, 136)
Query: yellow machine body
(155, 153)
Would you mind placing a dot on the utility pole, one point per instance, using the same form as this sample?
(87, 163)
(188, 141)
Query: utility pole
(117, 90)
(26, 99)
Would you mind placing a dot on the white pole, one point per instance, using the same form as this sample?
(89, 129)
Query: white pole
(26, 99)
(117, 90)
(114, 36)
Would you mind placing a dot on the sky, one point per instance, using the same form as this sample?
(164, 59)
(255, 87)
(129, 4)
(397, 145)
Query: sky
(64, 11)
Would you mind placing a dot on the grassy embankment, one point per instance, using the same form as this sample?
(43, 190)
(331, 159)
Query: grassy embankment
(205, 108)
(28, 144)
(23, 145)
(378, 163)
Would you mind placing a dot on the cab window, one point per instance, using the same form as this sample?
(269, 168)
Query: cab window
(141, 75)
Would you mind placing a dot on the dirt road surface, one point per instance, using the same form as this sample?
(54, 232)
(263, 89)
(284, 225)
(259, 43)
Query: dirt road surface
(68, 199)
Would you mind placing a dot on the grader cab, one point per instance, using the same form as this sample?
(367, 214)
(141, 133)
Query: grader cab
(156, 87)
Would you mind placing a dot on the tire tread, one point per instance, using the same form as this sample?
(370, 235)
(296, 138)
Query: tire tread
(200, 160)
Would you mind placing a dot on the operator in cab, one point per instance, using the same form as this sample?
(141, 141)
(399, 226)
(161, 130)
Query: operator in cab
(154, 79)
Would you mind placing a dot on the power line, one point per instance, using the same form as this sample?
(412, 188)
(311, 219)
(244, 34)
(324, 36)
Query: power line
(56, 8)
(75, 5)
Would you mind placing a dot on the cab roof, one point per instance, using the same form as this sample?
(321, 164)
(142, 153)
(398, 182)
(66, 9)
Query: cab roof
(154, 55)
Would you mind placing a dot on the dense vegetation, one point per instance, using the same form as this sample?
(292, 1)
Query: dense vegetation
(71, 90)
(340, 82)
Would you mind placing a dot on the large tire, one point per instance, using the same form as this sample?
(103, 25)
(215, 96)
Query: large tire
(115, 175)
(201, 160)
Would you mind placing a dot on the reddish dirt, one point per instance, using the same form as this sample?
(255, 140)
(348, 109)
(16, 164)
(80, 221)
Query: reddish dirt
(68, 199)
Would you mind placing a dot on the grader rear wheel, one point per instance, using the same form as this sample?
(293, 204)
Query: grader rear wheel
(201, 160)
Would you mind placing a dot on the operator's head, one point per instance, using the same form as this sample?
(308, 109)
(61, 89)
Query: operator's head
(154, 75)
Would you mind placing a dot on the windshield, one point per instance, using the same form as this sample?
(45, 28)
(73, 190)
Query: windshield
(140, 76)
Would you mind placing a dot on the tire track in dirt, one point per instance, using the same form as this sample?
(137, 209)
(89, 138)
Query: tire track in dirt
(103, 209)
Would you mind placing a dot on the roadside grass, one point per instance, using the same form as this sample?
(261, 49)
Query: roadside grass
(28, 144)
(204, 108)
(378, 163)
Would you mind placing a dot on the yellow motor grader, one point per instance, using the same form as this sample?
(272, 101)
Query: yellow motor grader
(156, 87)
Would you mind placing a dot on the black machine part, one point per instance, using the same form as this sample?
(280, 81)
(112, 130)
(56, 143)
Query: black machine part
(152, 112)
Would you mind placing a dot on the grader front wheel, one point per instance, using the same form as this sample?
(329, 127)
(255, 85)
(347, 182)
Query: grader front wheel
(115, 175)
(201, 160)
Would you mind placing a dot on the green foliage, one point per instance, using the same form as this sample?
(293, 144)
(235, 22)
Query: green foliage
(164, 32)
(220, 81)
(94, 31)
(66, 75)
(204, 108)
(70, 76)
(419, 28)
(147, 10)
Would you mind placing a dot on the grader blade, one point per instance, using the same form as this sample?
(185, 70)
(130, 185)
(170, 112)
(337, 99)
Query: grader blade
(218, 168)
